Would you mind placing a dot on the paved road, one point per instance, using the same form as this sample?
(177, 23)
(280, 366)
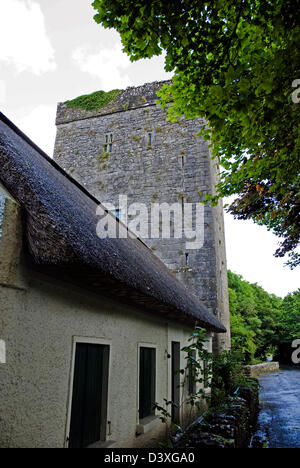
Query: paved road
(279, 420)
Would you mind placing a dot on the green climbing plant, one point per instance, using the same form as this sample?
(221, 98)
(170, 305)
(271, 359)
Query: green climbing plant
(197, 375)
(221, 373)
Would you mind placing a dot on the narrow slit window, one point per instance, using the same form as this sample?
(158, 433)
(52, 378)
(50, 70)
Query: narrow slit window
(108, 147)
(150, 139)
(117, 213)
(187, 259)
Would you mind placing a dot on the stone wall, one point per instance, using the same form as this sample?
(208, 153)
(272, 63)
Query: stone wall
(173, 165)
(259, 369)
(232, 426)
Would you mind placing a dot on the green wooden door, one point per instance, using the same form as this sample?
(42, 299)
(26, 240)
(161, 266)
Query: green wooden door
(87, 396)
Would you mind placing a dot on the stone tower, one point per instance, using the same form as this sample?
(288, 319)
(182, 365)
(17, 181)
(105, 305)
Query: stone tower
(129, 148)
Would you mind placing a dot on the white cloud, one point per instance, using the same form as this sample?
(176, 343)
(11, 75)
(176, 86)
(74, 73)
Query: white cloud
(23, 38)
(250, 252)
(2, 92)
(39, 125)
(108, 64)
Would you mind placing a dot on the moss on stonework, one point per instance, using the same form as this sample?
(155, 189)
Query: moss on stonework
(103, 158)
(136, 138)
(94, 101)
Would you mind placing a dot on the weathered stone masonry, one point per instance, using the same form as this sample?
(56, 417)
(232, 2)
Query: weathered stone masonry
(152, 161)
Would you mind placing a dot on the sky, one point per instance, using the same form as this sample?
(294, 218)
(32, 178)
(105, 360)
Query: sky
(52, 51)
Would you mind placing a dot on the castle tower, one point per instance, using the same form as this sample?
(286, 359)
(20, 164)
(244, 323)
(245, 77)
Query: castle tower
(127, 147)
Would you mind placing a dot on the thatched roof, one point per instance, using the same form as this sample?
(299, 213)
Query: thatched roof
(60, 233)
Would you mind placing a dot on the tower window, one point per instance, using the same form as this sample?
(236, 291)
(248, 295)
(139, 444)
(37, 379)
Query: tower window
(117, 213)
(150, 139)
(187, 259)
(108, 143)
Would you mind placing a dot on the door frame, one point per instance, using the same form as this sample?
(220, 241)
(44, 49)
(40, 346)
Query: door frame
(86, 340)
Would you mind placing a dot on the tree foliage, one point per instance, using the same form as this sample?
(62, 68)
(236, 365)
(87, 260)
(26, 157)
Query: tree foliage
(261, 322)
(290, 325)
(234, 64)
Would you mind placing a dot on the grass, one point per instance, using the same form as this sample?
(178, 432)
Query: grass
(94, 101)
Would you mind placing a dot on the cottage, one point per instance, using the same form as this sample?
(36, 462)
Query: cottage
(91, 328)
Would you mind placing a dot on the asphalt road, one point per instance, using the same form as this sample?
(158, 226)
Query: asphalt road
(279, 419)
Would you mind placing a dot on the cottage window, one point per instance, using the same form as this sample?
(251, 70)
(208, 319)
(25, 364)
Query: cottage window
(108, 143)
(89, 398)
(147, 382)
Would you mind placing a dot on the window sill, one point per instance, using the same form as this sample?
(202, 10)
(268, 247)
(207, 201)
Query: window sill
(104, 445)
(147, 424)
